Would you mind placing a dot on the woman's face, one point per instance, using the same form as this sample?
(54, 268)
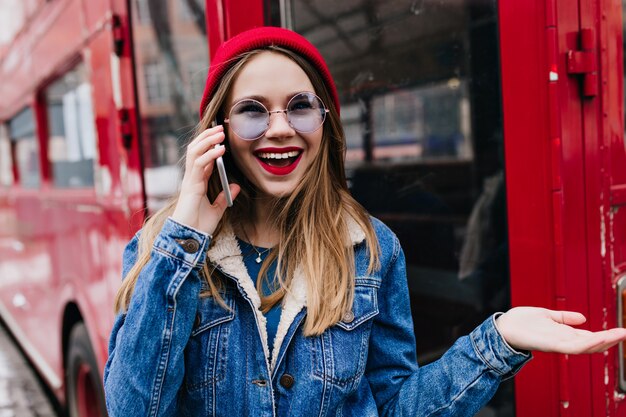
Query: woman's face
(276, 161)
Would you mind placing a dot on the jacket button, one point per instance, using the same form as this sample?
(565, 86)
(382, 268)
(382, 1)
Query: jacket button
(197, 321)
(189, 245)
(287, 381)
(348, 317)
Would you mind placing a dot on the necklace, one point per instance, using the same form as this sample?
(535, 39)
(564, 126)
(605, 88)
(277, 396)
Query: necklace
(259, 253)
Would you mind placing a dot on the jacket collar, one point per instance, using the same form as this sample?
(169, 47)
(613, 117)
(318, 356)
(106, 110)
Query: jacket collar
(225, 254)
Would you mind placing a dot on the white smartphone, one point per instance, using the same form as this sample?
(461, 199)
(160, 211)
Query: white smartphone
(224, 180)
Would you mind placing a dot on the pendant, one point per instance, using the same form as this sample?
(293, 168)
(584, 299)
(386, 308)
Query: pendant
(258, 259)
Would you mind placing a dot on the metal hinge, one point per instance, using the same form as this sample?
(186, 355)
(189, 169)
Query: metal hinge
(118, 35)
(584, 63)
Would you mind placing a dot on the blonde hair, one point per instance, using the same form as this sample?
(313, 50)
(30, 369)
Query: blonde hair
(312, 221)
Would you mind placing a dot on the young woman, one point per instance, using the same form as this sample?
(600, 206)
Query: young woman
(293, 302)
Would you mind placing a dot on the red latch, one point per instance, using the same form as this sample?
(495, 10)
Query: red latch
(584, 62)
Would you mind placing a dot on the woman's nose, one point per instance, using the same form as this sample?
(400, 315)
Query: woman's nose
(279, 126)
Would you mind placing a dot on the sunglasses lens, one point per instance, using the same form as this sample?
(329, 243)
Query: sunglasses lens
(306, 112)
(249, 119)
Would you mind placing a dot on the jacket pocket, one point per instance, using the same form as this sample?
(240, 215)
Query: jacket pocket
(339, 355)
(205, 354)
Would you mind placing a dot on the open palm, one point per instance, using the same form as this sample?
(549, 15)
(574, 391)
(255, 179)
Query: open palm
(534, 328)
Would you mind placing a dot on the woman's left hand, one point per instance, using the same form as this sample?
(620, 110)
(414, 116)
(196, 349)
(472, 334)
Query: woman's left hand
(533, 328)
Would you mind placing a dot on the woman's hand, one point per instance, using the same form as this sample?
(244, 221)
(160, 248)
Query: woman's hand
(193, 207)
(533, 328)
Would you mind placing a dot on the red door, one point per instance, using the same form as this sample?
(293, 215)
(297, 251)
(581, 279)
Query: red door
(562, 92)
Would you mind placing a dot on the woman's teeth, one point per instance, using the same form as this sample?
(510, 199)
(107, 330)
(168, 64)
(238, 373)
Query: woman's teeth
(279, 159)
(283, 155)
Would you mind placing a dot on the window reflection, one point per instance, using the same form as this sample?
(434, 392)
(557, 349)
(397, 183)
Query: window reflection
(171, 56)
(22, 133)
(6, 158)
(72, 135)
(406, 54)
(424, 122)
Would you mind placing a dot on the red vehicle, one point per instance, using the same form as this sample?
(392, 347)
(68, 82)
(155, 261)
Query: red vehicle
(489, 135)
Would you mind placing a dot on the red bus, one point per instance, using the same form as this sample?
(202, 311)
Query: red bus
(489, 135)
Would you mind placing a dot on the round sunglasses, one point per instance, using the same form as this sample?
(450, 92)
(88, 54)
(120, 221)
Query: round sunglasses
(249, 119)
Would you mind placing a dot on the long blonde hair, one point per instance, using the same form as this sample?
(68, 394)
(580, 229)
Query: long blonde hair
(312, 221)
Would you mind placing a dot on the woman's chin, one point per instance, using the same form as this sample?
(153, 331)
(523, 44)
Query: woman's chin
(276, 190)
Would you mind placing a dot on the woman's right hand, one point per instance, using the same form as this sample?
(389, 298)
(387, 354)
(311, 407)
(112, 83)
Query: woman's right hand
(193, 207)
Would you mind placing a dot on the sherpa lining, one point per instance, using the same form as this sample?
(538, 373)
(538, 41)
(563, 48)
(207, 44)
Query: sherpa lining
(226, 254)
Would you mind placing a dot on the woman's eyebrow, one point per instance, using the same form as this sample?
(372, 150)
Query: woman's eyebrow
(265, 100)
(253, 97)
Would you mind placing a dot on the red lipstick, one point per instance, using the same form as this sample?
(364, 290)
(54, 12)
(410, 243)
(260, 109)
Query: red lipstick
(279, 170)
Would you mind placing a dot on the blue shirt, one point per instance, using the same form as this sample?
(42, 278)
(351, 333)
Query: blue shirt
(249, 259)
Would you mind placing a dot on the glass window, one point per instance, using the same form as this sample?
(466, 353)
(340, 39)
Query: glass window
(6, 158)
(156, 83)
(26, 147)
(72, 134)
(419, 86)
(171, 72)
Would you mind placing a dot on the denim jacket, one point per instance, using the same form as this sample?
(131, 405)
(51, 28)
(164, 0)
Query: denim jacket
(173, 353)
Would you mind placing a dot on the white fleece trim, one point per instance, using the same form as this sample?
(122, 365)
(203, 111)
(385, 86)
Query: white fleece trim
(293, 303)
(226, 254)
(357, 234)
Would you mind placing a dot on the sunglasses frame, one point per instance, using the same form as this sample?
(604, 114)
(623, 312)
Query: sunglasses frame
(285, 111)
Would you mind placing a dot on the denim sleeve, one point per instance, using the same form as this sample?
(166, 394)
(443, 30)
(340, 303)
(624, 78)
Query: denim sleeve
(458, 384)
(145, 367)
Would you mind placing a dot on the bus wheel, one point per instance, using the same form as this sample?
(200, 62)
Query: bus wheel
(85, 396)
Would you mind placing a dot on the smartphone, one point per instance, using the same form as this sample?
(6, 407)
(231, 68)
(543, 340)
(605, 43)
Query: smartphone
(224, 180)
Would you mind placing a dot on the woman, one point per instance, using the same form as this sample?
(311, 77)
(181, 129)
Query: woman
(294, 301)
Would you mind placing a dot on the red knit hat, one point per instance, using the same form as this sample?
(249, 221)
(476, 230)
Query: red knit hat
(259, 38)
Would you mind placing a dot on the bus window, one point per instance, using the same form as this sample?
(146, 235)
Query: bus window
(72, 137)
(22, 133)
(171, 70)
(6, 158)
(419, 85)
